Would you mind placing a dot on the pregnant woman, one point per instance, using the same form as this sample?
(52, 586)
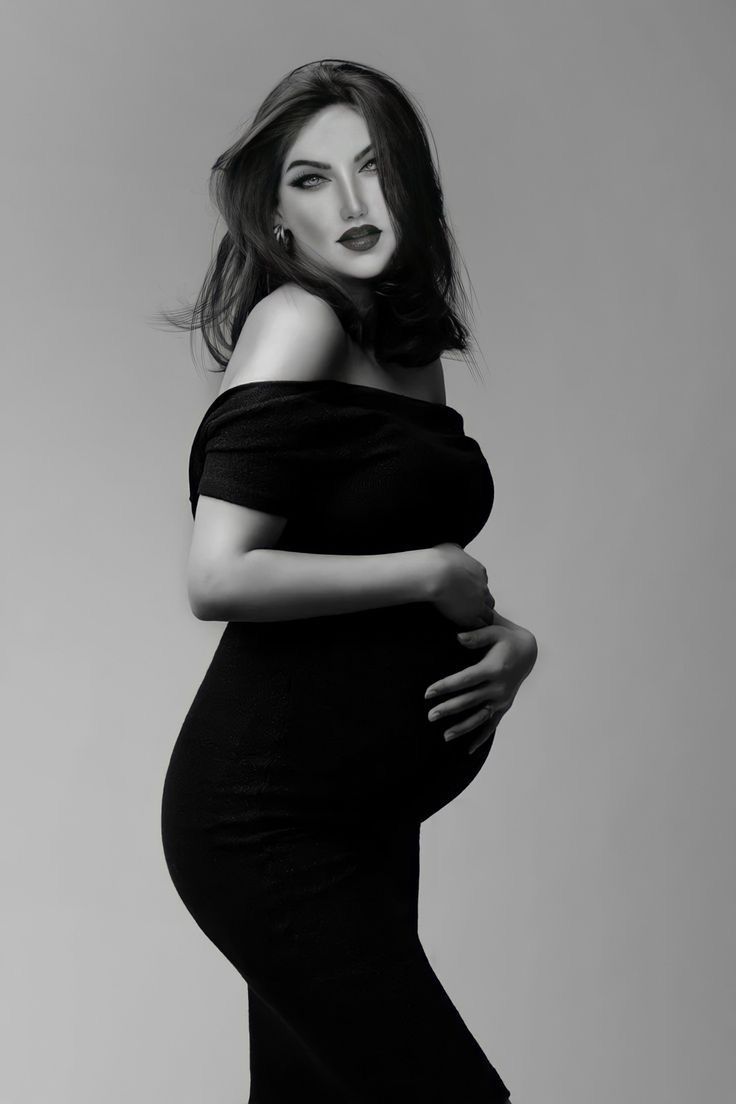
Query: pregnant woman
(333, 492)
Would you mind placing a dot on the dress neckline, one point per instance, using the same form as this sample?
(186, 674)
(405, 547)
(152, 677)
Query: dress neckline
(380, 394)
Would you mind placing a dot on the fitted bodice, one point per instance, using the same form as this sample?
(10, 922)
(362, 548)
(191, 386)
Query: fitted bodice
(354, 469)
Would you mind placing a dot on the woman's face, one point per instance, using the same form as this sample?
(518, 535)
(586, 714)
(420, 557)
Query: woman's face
(338, 191)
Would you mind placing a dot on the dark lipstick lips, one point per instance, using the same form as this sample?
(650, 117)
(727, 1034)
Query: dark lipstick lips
(359, 232)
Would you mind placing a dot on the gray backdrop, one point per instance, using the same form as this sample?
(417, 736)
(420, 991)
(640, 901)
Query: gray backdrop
(578, 900)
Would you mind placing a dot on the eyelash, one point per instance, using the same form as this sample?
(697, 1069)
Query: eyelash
(297, 181)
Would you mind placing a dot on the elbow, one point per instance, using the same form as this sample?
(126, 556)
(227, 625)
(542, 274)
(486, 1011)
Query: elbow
(203, 613)
(201, 601)
(201, 609)
(217, 592)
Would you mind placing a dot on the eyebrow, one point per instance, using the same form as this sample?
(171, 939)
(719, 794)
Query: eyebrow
(323, 164)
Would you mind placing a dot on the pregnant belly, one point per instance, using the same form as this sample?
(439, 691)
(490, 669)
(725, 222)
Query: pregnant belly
(328, 715)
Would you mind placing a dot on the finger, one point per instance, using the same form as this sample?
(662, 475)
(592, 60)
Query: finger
(495, 721)
(487, 672)
(480, 637)
(462, 702)
(466, 679)
(482, 739)
(481, 717)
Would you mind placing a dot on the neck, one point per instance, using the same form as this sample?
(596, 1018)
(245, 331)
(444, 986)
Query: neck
(363, 296)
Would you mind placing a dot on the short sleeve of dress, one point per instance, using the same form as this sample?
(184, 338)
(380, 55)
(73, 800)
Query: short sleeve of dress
(254, 447)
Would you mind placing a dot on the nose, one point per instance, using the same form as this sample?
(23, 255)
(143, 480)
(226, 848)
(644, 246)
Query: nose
(352, 206)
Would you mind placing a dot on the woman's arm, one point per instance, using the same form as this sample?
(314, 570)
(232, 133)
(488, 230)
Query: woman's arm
(273, 584)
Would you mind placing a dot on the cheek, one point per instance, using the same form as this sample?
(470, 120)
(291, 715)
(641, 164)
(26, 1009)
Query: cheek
(313, 225)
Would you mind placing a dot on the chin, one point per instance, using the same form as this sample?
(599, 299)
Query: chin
(367, 267)
(364, 272)
(345, 272)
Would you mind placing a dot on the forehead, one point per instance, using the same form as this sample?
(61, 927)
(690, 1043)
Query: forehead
(337, 130)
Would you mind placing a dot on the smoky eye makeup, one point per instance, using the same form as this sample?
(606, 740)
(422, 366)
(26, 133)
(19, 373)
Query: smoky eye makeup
(298, 181)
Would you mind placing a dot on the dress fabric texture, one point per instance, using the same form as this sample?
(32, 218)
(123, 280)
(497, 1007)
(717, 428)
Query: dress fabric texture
(305, 765)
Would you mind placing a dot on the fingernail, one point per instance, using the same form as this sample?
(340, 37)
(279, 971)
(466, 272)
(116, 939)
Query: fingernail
(450, 735)
(430, 694)
(433, 716)
(463, 636)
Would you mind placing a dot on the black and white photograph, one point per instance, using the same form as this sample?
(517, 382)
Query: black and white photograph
(369, 561)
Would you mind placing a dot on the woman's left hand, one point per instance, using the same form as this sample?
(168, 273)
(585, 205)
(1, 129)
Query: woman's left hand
(491, 683)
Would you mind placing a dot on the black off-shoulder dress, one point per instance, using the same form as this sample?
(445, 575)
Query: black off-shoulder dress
(305, 765)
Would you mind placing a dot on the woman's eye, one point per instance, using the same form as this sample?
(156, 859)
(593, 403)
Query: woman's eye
(300, 181)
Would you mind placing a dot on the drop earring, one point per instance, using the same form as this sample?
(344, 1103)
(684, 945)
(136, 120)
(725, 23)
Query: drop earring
(280, 233)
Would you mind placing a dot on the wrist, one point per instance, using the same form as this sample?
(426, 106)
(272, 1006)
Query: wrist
(430, 574)
(528, 642)
(524, 635)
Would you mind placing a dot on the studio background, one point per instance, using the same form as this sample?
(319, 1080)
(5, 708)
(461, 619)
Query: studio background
(577, 901)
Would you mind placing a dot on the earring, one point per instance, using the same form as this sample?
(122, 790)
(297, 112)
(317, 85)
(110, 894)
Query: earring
(280, 234)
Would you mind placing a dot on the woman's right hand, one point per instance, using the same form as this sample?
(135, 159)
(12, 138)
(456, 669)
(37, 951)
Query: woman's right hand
(461, 591)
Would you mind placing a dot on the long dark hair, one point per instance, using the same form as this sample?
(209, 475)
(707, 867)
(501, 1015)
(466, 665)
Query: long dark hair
(421, 309)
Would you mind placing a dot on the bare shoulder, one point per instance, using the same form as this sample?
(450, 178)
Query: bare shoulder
(290, 334)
